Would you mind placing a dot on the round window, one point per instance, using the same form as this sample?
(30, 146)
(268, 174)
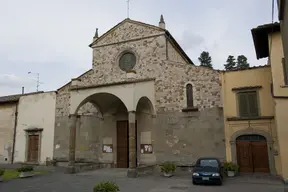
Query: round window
(127, 61)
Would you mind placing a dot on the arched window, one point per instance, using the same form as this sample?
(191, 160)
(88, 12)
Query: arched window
(189, 95)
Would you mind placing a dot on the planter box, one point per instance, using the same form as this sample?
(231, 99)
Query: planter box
(230, 173)
(26, 174)
(168, 174)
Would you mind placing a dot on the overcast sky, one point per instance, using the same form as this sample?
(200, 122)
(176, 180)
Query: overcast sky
(51, 37)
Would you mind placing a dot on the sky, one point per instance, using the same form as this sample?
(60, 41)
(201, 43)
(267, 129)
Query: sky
(51, 37)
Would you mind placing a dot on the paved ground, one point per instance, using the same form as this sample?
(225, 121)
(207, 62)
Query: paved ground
(59, 182)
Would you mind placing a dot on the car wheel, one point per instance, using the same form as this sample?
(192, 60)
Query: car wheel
(194, 183)
(220, 182)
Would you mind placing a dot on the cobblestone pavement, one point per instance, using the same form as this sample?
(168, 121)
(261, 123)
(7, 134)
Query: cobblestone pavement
(84, 182)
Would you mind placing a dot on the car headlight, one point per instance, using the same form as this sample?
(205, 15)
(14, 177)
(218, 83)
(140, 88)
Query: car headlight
(195, 174)
(215, 174)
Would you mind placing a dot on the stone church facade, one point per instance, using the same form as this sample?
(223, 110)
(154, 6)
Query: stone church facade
(143, 102)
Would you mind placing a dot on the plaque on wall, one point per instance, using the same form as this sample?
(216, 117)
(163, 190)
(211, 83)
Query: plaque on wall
(146, 148)
(107, 148)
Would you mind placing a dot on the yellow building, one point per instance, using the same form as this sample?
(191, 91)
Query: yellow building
(250, 133)
(268, 43)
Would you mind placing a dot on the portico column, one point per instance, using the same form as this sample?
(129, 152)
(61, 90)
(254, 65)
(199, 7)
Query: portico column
(72, 138)
(132, 172)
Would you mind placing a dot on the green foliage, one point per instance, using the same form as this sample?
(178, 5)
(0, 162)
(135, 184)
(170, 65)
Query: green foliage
(25, 169)
(229, 166)
(242, 62)
(168, 167)
(230, 63)
(106, 187)
(2, 172)
(205, 59)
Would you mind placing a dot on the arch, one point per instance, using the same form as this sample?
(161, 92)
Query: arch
(191, 102)
(146, 101)
(102, 101)
(250, 131)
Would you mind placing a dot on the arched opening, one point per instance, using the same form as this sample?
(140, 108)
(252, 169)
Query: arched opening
(102, 133)
(144, 127)
(252, 153)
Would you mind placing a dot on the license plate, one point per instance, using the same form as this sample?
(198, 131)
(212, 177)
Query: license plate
(205, 178)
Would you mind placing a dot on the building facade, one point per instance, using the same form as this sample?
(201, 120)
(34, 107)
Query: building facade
(249, 116)
(143, 102)
(35, 128)
(268, 43)
(27, 127)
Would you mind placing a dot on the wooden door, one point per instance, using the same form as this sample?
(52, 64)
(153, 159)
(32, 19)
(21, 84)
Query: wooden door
(122, 144)
(244, 156)
(260, 156)
(33, 148)
(252, 154)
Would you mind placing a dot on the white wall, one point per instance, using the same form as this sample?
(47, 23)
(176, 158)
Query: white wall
(36, 111)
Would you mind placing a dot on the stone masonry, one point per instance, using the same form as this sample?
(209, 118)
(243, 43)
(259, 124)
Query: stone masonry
(178, 136)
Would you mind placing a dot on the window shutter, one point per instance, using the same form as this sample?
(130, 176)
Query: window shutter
(253, 104)
(243, 105)
(285, 70)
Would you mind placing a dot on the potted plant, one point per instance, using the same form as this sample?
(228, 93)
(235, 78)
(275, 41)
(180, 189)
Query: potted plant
(106, 187)
(1, 174)
(231, 169)
(26, 171)
(168, 168)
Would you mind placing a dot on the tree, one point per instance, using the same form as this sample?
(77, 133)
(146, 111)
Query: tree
(242, 62)
(205, 59)
(230, 63)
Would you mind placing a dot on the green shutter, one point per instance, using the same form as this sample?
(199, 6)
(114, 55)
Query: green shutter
(243, 105)
(285, 70)
(253, 104)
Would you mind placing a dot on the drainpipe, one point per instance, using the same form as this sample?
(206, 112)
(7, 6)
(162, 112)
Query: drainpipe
(14, 134)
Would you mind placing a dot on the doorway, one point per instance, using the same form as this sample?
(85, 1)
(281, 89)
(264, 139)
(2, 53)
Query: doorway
(33, 148)
(252, 154)
(123, 143)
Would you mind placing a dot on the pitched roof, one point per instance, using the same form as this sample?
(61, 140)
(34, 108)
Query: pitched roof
(249, 68)
(15, 98)
(167, 34)
(260, 38)
(76, 78)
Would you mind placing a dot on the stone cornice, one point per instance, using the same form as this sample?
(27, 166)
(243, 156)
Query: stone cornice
(112, 84)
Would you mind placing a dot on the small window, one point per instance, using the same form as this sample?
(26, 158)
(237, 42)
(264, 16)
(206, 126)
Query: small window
(285, 71)
(189, 95)
(248, 104)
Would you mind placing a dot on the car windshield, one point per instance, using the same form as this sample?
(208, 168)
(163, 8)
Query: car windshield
(208, 163)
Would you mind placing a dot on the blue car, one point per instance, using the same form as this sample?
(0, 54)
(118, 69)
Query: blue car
(207, 170)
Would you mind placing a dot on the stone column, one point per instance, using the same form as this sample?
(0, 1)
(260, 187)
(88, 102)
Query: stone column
(72, 140)
(132, 171)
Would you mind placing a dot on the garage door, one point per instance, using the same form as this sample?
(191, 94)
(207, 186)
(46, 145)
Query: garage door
(252, 153)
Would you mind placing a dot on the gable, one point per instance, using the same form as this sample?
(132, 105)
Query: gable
(127, 30)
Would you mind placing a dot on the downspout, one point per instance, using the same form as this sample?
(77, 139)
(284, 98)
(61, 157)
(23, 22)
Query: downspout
(14, 134)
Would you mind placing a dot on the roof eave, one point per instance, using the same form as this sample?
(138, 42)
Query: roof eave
(178, 47)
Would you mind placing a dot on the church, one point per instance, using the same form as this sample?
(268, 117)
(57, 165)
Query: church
(143, 102)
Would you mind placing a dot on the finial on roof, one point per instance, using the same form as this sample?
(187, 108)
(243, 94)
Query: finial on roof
(162, 22)
(96, 33)
(162, 19)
